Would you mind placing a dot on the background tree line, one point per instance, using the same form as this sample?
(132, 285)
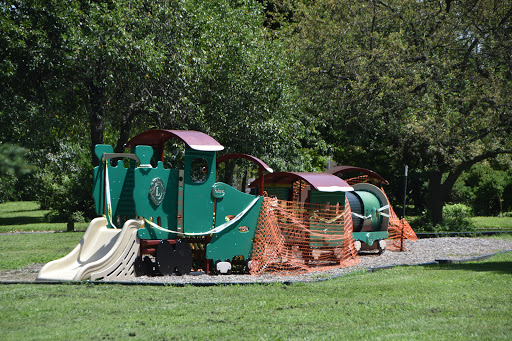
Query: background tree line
(377, 84)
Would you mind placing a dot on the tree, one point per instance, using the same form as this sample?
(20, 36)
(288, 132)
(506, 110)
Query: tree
(426, 83)
(103, 67)
(80, 73)
(32, 52)
(483, 187)
(12, 160)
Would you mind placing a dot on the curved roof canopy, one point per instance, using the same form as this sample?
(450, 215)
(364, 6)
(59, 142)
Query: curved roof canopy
(261, 165)
(194, 139)
(345, 169)
(322, 182)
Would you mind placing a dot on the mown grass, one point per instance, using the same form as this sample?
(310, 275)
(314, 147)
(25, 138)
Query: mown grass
(442, 302)
(23, 216)
(481, 223)
(493, 223)
(20, 250)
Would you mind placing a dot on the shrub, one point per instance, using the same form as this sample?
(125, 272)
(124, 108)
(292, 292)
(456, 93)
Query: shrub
(7, 188)
(63, 183)
(456, 218)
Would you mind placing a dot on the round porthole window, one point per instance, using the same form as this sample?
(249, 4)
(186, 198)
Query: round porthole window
(199, 170)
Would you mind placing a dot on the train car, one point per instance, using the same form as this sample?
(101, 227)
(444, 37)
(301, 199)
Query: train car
(156, 220)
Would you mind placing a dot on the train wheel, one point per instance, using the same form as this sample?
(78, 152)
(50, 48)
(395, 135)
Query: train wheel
(382, 246)
(142, 267)
(223, 268)
(183, 257)
(247, 267)
(165, 258)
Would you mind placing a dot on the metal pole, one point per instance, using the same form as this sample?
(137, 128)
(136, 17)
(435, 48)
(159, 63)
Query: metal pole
(403, 212)
(405, 191)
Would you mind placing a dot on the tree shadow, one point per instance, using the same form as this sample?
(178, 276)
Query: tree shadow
(21, 220)
(504, 267)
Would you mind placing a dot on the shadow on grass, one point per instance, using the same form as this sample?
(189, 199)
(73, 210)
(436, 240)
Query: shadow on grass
(498, 267)
(21, 220)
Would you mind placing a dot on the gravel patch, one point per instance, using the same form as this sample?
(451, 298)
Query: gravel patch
(420, 252)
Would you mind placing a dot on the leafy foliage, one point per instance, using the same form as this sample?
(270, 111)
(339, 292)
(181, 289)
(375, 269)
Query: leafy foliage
(13, 164)
(484, 188)
(12, 160)
(376, 84)
(64, 184)
(419, 82)
(456, 218)
(102, 71)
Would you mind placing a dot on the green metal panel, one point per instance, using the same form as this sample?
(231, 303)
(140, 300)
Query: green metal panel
(198, 202)
(371, 204)
(237, 239)
(121, 181)
(152, 200)
(331, 198)
(370, 237)
(317, 197)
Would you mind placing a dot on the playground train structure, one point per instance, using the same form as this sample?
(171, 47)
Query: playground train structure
(154, 220)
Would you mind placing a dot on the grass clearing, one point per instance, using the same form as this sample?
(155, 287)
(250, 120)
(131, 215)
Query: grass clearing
(493, 223)
(20, 250)
(26, 216)
(442, 302)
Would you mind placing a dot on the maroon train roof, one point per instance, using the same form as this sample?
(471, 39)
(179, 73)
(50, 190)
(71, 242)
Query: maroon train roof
(194, 139)
(345, 169)
(322, 182)
(262, 165)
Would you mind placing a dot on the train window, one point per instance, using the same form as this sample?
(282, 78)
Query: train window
(199, 170)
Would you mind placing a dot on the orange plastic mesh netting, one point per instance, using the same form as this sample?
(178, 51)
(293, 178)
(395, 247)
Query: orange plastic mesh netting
(294, 237)
(399, 229)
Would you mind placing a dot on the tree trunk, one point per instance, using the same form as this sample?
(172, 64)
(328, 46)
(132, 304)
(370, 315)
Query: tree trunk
(70, 227)
(124, 131)
(229, 172)
(244, 181)
(436, 197)
(439, 191)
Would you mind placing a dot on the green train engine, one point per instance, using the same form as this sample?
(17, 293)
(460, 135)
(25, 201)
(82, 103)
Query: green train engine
(157, 220)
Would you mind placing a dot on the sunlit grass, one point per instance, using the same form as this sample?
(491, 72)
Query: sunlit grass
(441, 302)
(26, 216)
(493, 223)
(19, 250)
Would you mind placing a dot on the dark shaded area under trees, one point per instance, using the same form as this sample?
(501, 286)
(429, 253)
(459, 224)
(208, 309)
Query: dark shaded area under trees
(377, 84)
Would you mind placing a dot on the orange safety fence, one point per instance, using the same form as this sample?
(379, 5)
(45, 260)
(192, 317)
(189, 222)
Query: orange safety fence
(399, 229)
(295, 237)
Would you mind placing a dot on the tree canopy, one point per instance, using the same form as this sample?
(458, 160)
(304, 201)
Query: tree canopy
(376, 84)
(424, 83)
(106, 70)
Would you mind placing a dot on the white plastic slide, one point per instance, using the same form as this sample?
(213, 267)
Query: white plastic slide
(103, 253)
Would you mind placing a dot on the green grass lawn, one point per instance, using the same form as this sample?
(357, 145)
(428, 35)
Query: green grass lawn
(483, 223)
(493, 223)
(24, 216)
(441, 302)
(438, 302)
(19, 250)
